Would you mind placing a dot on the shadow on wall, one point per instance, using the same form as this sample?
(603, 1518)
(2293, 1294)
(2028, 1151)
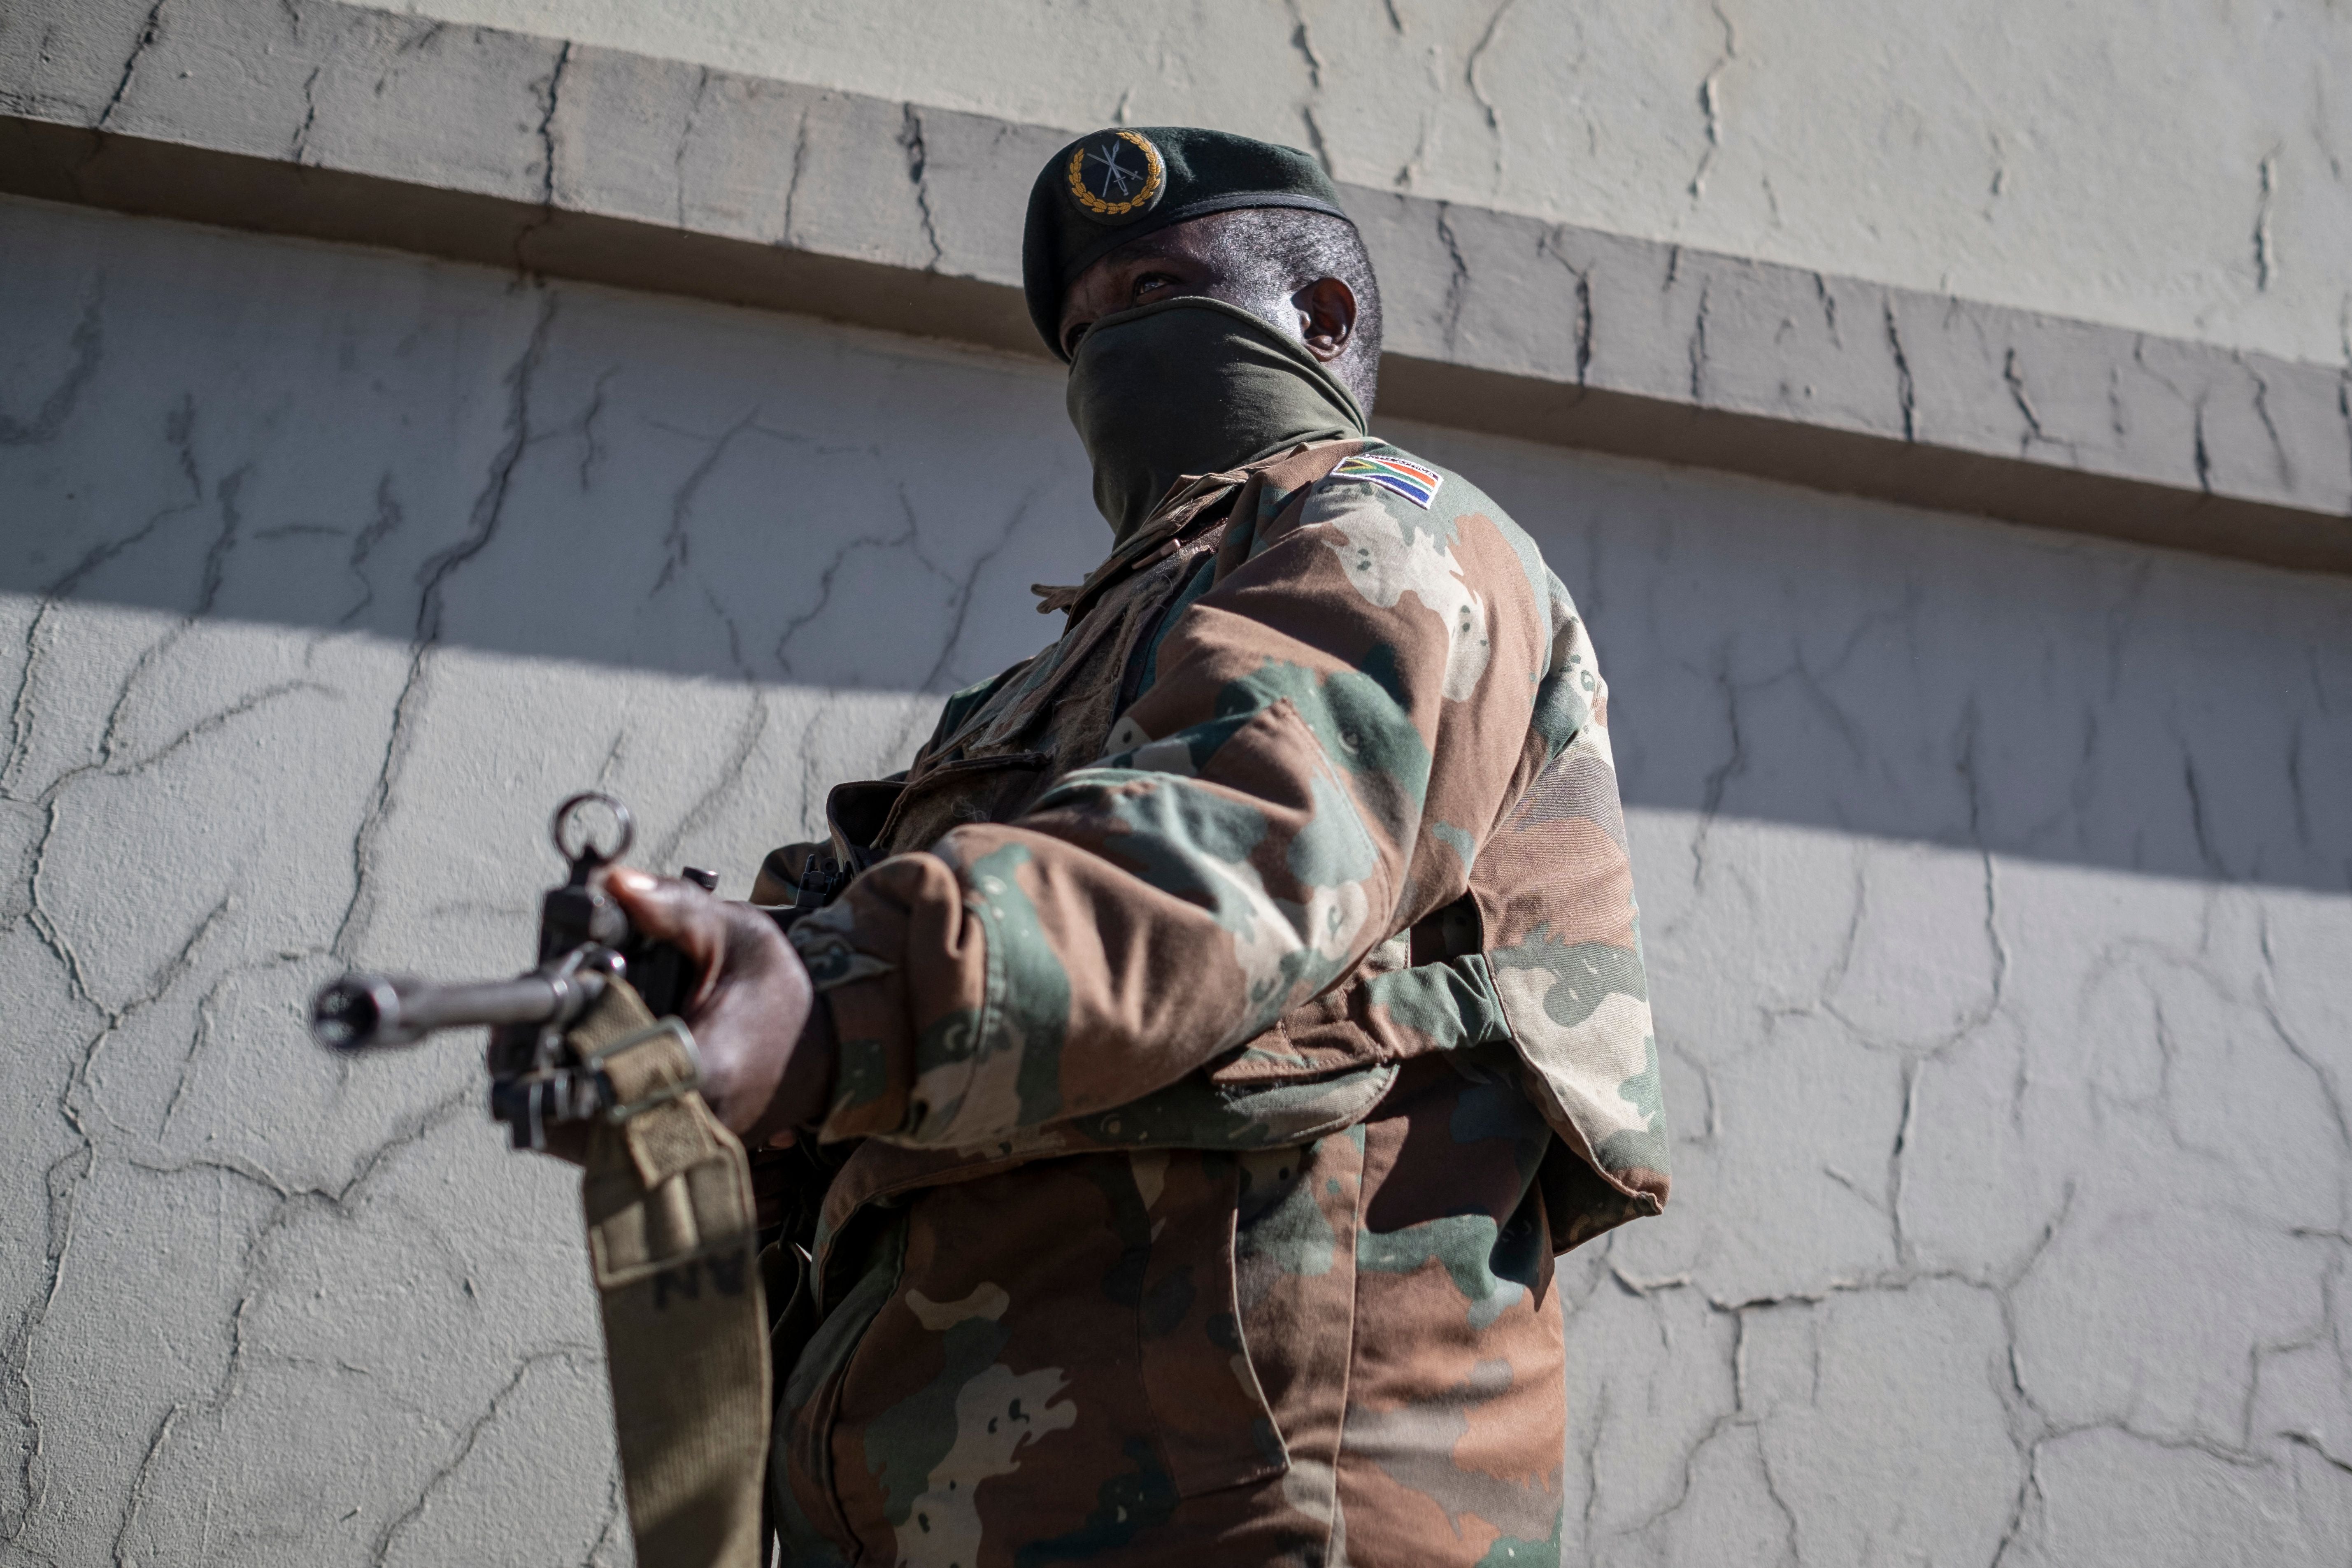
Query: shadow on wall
(347, 443)
(350, 442)
(1791, 656)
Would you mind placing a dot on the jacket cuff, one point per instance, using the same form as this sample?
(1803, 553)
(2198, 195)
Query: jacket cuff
(873, 1060)
(901, 920)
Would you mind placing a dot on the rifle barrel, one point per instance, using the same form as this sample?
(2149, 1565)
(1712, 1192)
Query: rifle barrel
(368, 1012)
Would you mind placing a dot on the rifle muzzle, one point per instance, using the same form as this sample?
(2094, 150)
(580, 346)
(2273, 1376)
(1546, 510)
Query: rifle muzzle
(368, 1012)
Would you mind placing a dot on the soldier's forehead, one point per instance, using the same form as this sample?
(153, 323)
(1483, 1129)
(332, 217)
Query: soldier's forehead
(1177, 239)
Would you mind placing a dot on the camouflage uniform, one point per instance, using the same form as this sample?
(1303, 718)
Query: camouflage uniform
(1249, 1006)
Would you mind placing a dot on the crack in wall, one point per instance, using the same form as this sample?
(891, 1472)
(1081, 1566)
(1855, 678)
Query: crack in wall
(2310, 1441)
(417, 41)
(289, 1202)
(791, 235)
(827, 574)
(1478, 90)
(1457, 282)
(545, 130)
(2261, 404)
(468, 1440)
(179, 428)
(2200, 455)
(89, 345)
(212, 575)
(1718, 779)
(1698, 347)
(1314, 142)
(548, 90)
(961, 599)
(1827, 302)
(2029, 1428)
(2014, 379)
(1710, 103)
(197, 1040)
(2343, 410)
(21, 716)
(960, 589)
(145, 1478)
(2265, 246)
(301, 140)
(1551, 245)
(616, 1523)
(1302, 43)
(148, 34)
(382, 526)
(1907, 395)
(705, 808)
(433, 580)
(64, 1183)
(1583, 328)
(1402, 179)
(686, 140)
(592, 450)
(2297, 797)
(1997, 185)
(677, 540)
(910, 137)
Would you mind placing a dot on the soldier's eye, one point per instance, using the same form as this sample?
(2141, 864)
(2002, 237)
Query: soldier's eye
(1151, 283)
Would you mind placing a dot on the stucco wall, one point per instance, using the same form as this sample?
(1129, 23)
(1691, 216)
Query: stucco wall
(1995, 885)
(572, 160)
(2176, 166)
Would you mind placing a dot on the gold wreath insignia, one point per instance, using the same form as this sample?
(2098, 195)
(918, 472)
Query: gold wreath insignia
(1155, 176)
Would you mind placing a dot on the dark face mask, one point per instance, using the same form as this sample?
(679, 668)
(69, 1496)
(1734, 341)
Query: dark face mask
(1193, 387)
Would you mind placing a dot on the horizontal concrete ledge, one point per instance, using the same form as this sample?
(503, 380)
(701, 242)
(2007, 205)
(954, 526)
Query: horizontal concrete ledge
(1843, 462)
(168, 179)
(345, 124)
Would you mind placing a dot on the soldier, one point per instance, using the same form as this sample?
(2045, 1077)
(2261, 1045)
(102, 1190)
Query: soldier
(1237, 1004)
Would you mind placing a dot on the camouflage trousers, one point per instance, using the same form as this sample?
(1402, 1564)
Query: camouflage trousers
(1344, 1351)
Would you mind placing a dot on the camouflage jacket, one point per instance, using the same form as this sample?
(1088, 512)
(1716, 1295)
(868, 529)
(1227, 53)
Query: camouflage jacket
(1241, 1003)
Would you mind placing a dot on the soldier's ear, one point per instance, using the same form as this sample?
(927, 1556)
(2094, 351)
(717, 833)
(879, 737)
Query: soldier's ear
(1327, 317)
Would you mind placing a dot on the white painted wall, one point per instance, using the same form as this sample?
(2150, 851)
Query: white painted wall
(2176, 166)
(1995, 888)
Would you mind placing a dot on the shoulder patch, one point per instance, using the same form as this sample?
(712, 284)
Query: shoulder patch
(1411, 480)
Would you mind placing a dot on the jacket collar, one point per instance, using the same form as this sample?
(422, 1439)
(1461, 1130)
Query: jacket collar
(1192, 500)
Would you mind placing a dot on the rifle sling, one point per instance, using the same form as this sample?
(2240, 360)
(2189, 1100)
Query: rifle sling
(672, 1233)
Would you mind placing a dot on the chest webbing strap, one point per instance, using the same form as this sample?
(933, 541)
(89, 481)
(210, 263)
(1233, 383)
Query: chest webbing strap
(672, 1234)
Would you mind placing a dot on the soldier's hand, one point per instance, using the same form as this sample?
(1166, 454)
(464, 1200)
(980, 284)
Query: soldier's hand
(765, 1070)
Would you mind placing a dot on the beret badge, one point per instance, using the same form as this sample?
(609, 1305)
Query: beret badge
(1115, 176)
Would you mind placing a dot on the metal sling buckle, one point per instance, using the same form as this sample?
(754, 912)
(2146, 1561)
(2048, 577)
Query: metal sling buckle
(619, 1114)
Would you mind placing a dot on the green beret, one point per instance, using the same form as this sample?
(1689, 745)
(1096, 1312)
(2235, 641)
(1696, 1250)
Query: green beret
(1111, 187)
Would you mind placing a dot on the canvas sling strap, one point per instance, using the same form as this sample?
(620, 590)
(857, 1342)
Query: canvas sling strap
(672, 1231)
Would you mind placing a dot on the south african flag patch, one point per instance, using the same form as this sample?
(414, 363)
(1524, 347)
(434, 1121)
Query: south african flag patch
(1411, 480)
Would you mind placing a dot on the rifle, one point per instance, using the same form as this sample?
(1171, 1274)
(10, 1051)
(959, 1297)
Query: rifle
(538, 1079)
(690, 1366)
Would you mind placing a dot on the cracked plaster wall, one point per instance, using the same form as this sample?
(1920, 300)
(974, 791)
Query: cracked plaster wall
(1996, 887)
(2179, 166)
(574, 160)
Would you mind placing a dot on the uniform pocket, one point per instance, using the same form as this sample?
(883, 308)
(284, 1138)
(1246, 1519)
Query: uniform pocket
(1214, 1427)
(806, 1503)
